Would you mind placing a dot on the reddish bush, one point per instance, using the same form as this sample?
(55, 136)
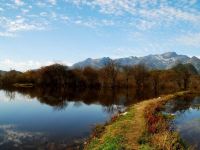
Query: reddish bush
(155, 121)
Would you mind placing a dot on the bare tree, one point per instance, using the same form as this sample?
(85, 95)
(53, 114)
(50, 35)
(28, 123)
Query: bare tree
(140, 74)
(112, 71)
(155, 76)
(128, 70)
(184, 72)
(91, 76)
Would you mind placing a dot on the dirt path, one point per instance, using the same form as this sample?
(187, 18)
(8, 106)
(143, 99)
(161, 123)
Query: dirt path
(129, 126)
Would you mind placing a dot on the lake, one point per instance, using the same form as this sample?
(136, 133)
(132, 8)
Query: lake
(187, 118)
(46, 119)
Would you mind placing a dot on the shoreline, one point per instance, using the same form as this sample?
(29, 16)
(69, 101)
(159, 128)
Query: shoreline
(129, 130)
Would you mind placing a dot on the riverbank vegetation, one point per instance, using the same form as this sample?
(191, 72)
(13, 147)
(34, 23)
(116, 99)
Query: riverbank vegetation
(158, 133)
(141, 127)
(141, 78)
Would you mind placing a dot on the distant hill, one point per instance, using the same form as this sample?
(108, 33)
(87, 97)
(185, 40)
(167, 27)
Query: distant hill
(159, 61)
(185, 68)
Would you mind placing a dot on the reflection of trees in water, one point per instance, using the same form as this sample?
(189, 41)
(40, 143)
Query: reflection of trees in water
(182, 104)
(109, 109)
(61, 106)
(186, 122)
(196, 103)
(78, 104)
(59, 97)
(10, 94)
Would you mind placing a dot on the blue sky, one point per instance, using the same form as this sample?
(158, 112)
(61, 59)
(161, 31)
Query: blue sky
(40, 32)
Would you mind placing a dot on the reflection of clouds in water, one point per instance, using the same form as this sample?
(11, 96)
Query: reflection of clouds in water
(114, 109)
(191, 125)
(10, 138)
(7, 96)
(9, 134)
(190, 132)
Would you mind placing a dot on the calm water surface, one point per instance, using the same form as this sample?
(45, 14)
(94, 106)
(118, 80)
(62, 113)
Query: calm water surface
(187, 120)
(37, 120)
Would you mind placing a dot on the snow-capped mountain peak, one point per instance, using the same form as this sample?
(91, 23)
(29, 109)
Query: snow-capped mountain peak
(158, 61)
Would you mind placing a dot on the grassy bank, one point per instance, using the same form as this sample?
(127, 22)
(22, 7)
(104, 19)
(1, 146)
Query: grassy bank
(157, 134)
(142, 127)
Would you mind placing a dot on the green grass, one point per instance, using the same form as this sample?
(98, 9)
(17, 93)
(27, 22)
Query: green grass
(114, 137)
(110, 143)
(145, 147)
(127, 132)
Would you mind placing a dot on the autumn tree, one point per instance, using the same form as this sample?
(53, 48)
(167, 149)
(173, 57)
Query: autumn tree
(75, 78)
(141, 75)
(10, 78)
(195, 83)
(111, 71)
(54, 75)
(128, 70)
(184, 72)
(155, 79)
(91, 76)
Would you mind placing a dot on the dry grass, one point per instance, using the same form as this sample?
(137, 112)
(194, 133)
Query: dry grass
(157, 133)
(125, 132)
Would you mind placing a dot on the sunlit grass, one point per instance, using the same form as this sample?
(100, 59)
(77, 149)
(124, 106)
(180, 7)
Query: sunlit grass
(115, 136)
(130, 131)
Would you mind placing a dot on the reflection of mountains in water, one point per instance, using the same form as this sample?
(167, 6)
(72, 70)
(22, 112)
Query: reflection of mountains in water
(59, 98)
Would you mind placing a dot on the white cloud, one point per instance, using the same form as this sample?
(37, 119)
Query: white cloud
(129, 14)
(145, 25)
(64, 18)
(8, 64)
(53, 2)
(146, 14)
(25, 11)
(92, 22)
(11, 26)
(19, 2)
(7, 34)
(124, 52)
(191, 39)
(41, 4)
(21, 25)
(43, 14)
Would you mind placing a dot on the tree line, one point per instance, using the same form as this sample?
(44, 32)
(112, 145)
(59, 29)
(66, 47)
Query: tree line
(112, 75)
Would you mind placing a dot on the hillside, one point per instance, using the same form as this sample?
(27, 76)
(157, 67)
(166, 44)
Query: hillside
(158, 61)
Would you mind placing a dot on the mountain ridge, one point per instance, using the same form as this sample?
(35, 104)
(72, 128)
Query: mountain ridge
(154, 61)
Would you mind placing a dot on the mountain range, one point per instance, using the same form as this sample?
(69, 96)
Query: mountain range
(158, 61)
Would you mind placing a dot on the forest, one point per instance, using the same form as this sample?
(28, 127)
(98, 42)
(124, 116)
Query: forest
(112, 76)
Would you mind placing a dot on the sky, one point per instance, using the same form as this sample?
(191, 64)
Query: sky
(35, 33)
